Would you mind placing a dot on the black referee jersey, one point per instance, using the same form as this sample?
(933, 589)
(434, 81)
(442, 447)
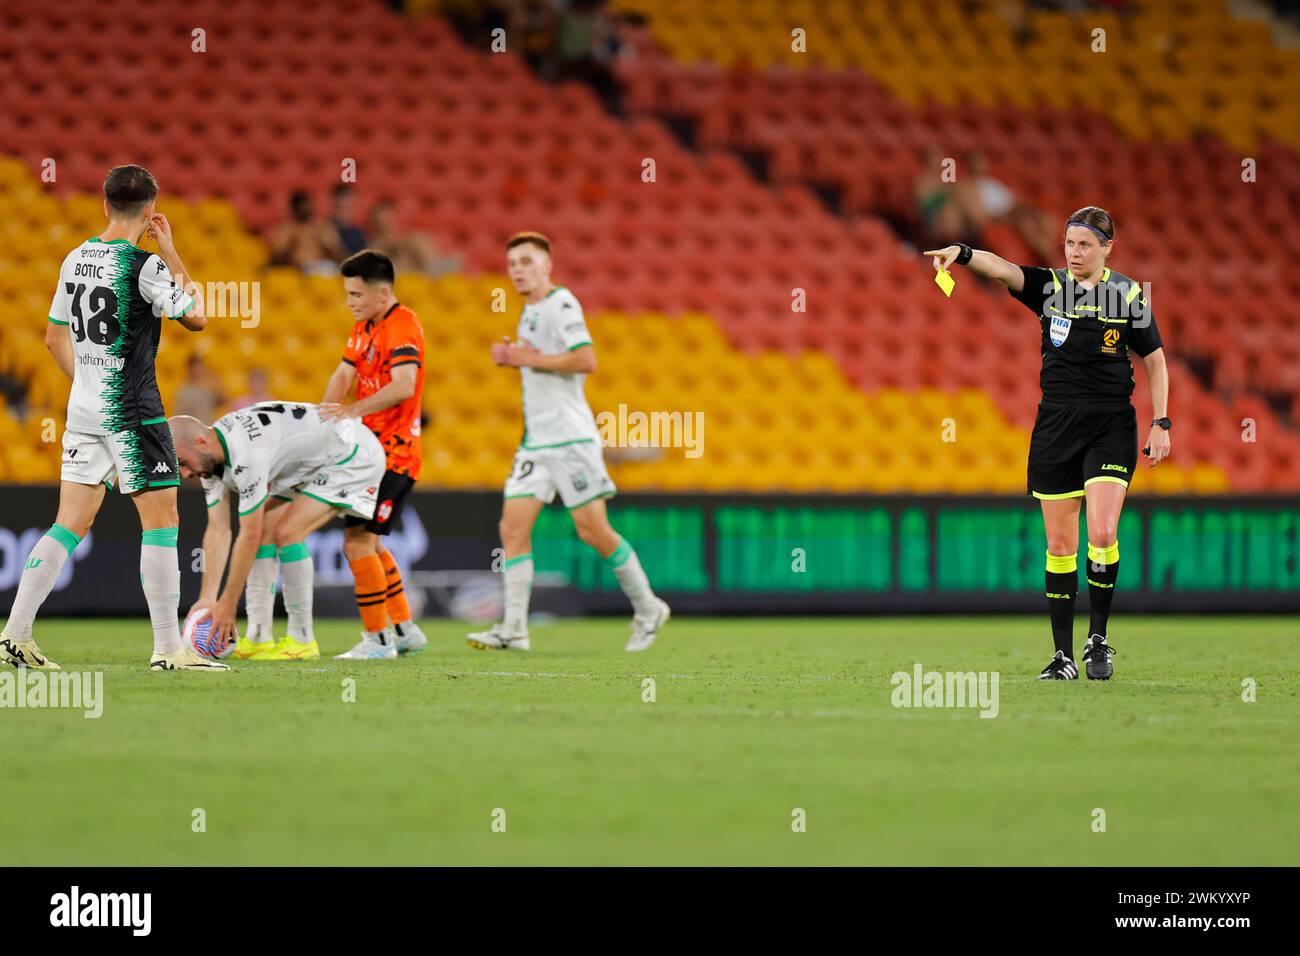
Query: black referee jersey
(1087, 334)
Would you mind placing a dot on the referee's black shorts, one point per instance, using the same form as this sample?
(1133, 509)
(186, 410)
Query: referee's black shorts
(393, 489)
(1074, 446)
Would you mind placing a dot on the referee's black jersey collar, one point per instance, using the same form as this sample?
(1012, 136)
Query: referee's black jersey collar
(1105, 277)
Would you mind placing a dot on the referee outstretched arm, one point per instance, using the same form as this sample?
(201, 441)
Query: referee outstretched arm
(981, 262)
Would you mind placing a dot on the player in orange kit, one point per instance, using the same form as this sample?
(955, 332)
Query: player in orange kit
(385, 359)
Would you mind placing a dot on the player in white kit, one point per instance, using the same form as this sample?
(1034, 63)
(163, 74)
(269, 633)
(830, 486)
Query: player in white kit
(560, 452)
(282, 454)
(104, 328)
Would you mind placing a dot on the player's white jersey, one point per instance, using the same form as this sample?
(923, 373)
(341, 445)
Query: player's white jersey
(280, 448)
(555, 407)
(112, 296)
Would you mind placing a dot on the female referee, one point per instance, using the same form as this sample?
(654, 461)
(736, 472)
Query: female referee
(1084, 443)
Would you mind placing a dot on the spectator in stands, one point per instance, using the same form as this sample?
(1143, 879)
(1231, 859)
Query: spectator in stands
(305, 242)
(986, 198)
(256, 390)
(200, 394)
(410, 251)
(350, 237)
(939, 203)
(586, 43)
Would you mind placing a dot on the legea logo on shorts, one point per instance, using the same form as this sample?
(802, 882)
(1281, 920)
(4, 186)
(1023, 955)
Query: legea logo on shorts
(1114, 468)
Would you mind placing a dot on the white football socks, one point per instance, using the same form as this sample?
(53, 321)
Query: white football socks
(160, 576)
(44, 562)
(631, 578)
(259, 595)
(518, 589)
(296, 566)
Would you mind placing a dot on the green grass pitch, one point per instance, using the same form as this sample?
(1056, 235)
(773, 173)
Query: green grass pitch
(752, 719)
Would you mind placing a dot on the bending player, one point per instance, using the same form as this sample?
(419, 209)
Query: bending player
(385, 358)
(560, 451)
(104, 329)
(278, 450)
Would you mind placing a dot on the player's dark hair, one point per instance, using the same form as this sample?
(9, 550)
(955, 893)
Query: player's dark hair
(536, 238)
(1095, 218)
(128, 189)
(370, 265)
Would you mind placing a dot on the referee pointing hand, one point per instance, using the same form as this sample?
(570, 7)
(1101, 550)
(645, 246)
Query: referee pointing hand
(1084, 443)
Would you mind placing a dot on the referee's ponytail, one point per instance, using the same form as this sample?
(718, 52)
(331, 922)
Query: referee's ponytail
(1094, 218)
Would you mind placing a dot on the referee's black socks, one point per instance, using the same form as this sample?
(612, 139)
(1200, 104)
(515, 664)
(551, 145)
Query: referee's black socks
(1062, 591)
(1103, 569)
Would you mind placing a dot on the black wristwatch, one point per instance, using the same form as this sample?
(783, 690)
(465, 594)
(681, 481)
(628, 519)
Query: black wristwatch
(1164, 423)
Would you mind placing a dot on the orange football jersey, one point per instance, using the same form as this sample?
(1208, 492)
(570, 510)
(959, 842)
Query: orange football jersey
(374, 349)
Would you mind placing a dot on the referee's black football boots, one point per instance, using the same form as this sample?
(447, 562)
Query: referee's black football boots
(1096, 658)
(1059, 667)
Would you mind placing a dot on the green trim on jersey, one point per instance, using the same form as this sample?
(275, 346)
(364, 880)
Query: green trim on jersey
(579, 345)
(324, 501)
(558, 288)
(57, 321)
(523, 408)
(213, 504)
(225, 449)
(183, 313)
(350, 455)
(255, 507)
(112, 242)
(115, 381)
(164, 484)
(154, 421)
(558, 444)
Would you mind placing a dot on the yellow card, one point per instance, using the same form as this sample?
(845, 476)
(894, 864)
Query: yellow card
(945, 282)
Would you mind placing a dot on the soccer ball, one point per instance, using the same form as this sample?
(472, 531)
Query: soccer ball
(196, 633)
